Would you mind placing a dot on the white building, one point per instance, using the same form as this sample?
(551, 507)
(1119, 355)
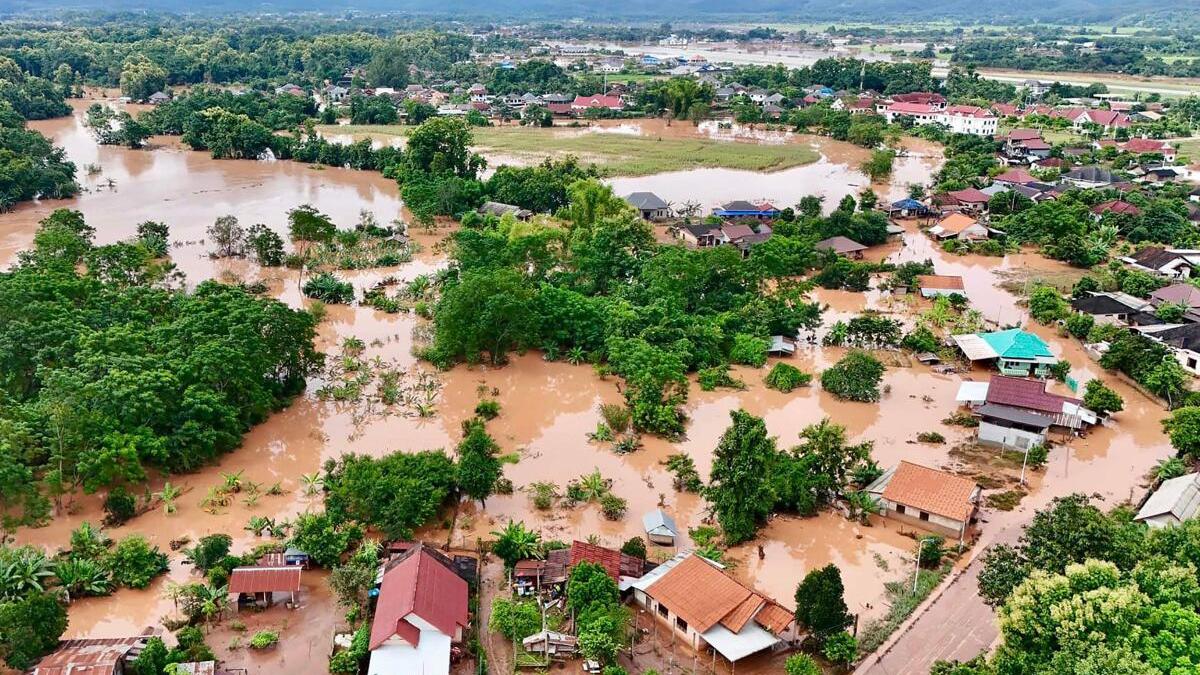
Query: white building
(1175, 501)
(962, 119)
(421, 612)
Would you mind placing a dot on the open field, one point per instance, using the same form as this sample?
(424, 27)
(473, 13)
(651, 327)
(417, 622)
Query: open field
(617, 154)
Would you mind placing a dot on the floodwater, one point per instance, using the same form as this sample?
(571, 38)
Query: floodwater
(548, 408)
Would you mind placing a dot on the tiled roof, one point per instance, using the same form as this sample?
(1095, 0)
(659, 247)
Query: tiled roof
(420, 583)
(903, 108)
(265, 579)
(1141, 145)
(839, 244)
(774, 617)
(970, 196)
(737, 619)
(1115, 206)
(932, 491)
(1027, 394)
(939, 281)
(1024, 134)
(956, 223)
(698, 592)
(1015, 176)
(613, 561)
(1183, 294)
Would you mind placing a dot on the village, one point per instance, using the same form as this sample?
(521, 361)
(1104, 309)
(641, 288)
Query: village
(559, 414)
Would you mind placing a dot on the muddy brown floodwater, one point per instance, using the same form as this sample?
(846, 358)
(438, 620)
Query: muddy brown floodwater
(548, 408)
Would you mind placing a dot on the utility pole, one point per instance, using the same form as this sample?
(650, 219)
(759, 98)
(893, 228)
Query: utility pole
(917, 570)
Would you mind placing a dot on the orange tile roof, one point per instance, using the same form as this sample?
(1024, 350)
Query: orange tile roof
(932, 491)
(940, 281)
(699, 593)
(737, 619)
(774, 617)
(956, 222)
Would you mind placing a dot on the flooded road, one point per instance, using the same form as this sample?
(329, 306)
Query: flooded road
(548, 408)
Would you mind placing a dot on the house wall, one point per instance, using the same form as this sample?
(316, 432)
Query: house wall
(431, 656)
(1189, 359)
(1017, 439)
(932, 522)
(1162, 520)
(690, 636)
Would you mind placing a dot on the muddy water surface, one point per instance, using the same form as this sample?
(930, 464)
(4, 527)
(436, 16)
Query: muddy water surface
(547, 408)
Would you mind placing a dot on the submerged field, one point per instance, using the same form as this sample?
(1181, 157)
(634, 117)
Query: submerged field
(615, 153)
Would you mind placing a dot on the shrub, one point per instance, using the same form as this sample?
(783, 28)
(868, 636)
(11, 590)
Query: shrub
(687, 479)
(1036, 456)
(710, 379)
(801, 664)
(135, 563)
(264, 639)
(1059, 370)
(785, 377)
(515, 619)
(616, 416)
(329, 289)
(841, 648)
(1079, 325)
(210, 550)
(1102, 400)
(634, 546)
(1046, 305)
(119, 506)
(544, 493)
(613, 506)
(749, 350)
(488, 409)
(933, 548)
(855, 378)
(931, 437)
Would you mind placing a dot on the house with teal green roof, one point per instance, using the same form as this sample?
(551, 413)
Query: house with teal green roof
(1014, 351)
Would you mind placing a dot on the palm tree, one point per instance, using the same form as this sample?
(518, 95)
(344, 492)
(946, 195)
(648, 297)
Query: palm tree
(83, 577)
(213, 601)
(312, 484)
(594, 485)
(168, 494)
(861, 504)
(515, 543)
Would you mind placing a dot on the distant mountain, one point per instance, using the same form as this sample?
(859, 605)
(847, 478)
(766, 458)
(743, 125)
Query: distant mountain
(883, 11)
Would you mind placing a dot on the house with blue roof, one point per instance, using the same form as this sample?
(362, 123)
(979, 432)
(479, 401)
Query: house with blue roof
(1014, 351)
(744, 209)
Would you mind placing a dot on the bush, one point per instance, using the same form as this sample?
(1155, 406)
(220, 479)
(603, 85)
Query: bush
(135, 563)
(1060, 370)
(616, 416)
(855, 378)
(749, 350)
(933, 548)
(710, 379)
(1100, 399)
(119, 506)
(613, 506)
(801, 664)
(210, 550)
(1046, 305)
(841, 648)
(687, 479)
(785, 377)
(329, 289)
(264, 639)
(1036, 456)
(635, 546)
(931, 437)
(1079, 325)
(488, 409)
(515, 619)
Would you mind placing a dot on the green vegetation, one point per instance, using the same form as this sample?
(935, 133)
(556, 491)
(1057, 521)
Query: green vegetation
(902, 602)
(855, 377)
(602, 621)
(785, 377)
(133, 373)
(820, 605)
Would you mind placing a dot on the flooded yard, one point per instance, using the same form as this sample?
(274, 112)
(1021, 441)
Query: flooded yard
(548, 408)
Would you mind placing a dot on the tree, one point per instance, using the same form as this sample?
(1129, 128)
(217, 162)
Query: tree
(1183, 428)
(515, 619)
(486, 311)
(155, 237)
(323, 538)
(879, 166)
(141, 78)
(855, 377)
(227, 236)
(1100, 399)
(210, 551)
(739, 495)
(478, 466)
(30, 627)
(307, 224)
(395, 494)
(135, 563)
(634, 546)
(441, 146)
(514, 543)
(266, 245)
(820, 605)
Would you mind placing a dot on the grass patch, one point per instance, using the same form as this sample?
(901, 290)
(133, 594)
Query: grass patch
(1005, 501)
(619, 154)
(903, 602)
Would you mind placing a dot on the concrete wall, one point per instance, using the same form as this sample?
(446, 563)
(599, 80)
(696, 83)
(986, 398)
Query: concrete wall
(690, 636)
(1017, 439)
(935, 523)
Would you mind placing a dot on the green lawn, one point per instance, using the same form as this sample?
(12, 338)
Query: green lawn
(619, 154)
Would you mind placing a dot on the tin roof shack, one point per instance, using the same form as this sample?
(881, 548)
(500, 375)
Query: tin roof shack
(1115, 307)
(421, 614)
(649, 205)
(531, 577)
(92, 656)
(711, 611)
(1175, 501)
(1014, 351)
(660, 527)
(932, 285)
(927, 498)
(258, 585)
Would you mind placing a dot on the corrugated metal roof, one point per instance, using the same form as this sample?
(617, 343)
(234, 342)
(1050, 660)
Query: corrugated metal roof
(930, 490)
(974, 347)
(420, 584)
(93, 656)
(659, 523)
(1178, 496)
(1018, 415)
(264, 579)
(1028, 394)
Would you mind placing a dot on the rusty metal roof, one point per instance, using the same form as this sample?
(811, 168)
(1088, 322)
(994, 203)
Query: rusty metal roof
(88, 656)
(265, 579)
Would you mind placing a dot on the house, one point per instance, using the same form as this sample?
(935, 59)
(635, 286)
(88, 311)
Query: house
(700, 235)
(420, 614)
(1011, 427)
(1014, 351)
(1035, 88)
(744, 209)
(1175, 501)
(843, 246)
(1015, 177)
(500, 210)
(158, 98)
(1140, 146)
(650, 205)
(932, 285)
(1110, 307)
(970, 119)
(712, 612)
(290, 89)
(931, 99)
(335, 93)
(1175, 263)
(1005, 109)
(660, 527)
(1161, 174)
(1117, 206)
(927, 498)
(1177, 294)
(959, 226)
(907, 208)
(781, 345)
(582, 103)
(743, 236)
(1183, 340)
(919, 113)
(534, 576)
(88, 656)
(258, 585)
(971, 199)
(1003, 394)
(1089, 177)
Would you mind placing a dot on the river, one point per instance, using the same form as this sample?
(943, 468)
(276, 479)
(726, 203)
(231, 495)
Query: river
(547, 407)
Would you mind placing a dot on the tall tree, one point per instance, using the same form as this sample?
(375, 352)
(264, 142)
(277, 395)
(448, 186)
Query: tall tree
(738, 490)
(478, 465)
(820, 605)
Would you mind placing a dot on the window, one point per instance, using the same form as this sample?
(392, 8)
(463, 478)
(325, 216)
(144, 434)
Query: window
(662, 609)
(1191, 363)
(681, 624)
(899, 508)
(924, 516)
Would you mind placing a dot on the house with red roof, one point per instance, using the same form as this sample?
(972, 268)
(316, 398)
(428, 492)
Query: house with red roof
(970, 119)
(1142, 146)
(1006, 109)
(420, 615)
(1015, 177)
(927, 498)
(1115, 206)
(582, 103)
(933, 99)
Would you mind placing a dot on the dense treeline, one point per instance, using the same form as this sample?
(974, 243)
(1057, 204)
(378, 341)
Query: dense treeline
(108, 370)
(1118, 54)
(838, 74)
(30, 166)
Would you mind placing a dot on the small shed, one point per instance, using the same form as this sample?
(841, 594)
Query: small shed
(843, 246)
(1175, 501)
(940, 284)
(782, 345)
(500, 210)
(660, 527)
(649, 205)
(258, 585)
(908, 207)
(294, 556)
(551, 643)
